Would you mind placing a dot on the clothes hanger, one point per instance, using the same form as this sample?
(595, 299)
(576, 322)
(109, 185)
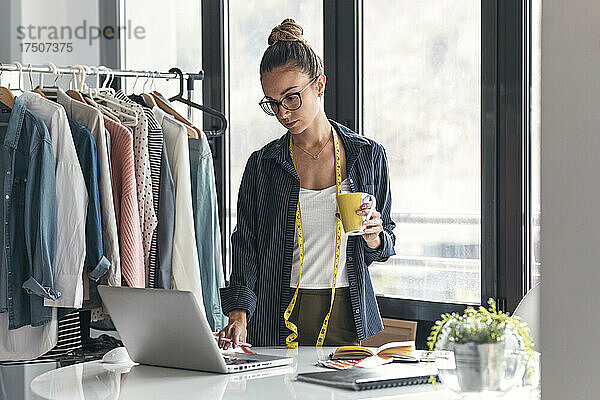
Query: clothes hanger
(162, 103)
(105, 94)
(19, 90)
(148, 99)
(50, 92)
(74, 94)
(193, 133)
(214, 113)
(6, 97)
(87, 95)
(31, 83)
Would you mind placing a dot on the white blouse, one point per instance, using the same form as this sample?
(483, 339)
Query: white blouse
(184, 261)
(318, 208)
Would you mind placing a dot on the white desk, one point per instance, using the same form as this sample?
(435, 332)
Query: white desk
(95, 380)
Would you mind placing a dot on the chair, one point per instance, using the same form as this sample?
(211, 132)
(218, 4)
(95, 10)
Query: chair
(529, 311)
(394, 330)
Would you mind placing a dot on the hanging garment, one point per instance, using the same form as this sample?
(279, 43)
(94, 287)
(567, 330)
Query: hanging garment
(155, 141)
(69, 335)
(97, 264)
(185, 268)
(71, 202)
(93, 120)
(208, 231)
(126, 204)
(27, 328)
(166, 223)
(146, 213)
(27, 342)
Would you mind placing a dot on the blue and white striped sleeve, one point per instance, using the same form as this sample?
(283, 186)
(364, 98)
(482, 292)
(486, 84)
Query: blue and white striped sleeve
(384, 204)
(239, 295)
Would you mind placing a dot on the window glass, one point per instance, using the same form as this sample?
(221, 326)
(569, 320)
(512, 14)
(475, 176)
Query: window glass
(422, 102)
(173, 38)
(250, 23)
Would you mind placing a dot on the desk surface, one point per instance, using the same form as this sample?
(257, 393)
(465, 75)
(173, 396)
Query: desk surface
(95, 380)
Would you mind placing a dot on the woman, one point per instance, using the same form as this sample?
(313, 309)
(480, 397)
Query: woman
(287, 203)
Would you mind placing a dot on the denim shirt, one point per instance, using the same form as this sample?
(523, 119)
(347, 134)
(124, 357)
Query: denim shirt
(263, 240)
(85, 146)
(29, 212)
(208, 232)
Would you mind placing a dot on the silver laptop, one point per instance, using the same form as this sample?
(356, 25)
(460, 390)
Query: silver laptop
(167, 328)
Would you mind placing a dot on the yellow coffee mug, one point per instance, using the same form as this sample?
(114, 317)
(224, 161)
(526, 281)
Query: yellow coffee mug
(348, 204)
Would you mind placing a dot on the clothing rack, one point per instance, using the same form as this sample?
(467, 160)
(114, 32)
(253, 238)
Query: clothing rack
(109, 73)
(80, 320)
(93, 71)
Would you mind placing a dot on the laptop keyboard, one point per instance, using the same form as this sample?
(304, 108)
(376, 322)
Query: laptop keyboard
(237, 361)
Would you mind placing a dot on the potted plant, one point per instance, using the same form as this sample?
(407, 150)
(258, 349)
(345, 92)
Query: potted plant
(487, 350)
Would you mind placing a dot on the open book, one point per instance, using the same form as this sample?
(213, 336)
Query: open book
(396, 350)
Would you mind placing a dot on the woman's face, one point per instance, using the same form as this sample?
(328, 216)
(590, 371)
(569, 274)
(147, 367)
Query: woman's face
(281, 82)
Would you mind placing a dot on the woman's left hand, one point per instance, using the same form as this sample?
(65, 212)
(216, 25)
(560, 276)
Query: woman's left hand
(373, 226)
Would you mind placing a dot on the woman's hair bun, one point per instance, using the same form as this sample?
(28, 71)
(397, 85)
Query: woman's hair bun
(287, 31)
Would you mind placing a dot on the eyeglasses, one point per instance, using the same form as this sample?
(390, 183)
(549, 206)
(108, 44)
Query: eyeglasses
(291, 102)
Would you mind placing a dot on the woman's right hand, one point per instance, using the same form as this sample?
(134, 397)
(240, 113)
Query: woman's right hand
(235, 330)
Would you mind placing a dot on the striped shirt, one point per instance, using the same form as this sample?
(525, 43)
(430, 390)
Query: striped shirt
(263, 240)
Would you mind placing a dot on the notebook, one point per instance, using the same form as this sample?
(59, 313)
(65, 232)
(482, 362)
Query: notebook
(385, 376)
(400, 350)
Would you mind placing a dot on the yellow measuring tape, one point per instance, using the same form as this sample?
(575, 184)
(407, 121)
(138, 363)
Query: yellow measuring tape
(290, 340)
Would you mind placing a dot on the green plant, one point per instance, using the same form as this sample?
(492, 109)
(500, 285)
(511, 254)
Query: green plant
(480, 326)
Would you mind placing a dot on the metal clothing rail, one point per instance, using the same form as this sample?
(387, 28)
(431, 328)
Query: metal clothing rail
(95, 70)
(86, 71)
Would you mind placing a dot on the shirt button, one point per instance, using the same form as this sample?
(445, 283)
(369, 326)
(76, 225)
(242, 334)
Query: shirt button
(7, 197)
(10, 299)
(350, 258)
(356, 311)
(9, 272)
(5, 222)
(351, 283)
(7, 172)
(58, 292)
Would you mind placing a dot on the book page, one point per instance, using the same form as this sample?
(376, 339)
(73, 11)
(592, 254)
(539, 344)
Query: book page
(410, 345)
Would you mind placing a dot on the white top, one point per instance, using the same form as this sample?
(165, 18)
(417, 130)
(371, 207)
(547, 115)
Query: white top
(185, 264)
(71, 202)
(318, 208)
(28, 342)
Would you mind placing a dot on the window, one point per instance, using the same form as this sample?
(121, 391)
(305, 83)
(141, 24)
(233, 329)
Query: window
(422, 102)
(173, 38)
(250, 23)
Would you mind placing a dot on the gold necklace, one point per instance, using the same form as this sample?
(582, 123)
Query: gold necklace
(316, 156)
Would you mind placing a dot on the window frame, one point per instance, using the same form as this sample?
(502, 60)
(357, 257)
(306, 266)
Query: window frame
(215, 94)
(504, 136)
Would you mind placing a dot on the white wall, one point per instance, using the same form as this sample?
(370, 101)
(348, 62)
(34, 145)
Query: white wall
(570, 199)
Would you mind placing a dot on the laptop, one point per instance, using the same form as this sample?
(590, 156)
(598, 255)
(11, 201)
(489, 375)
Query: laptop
(166, 328)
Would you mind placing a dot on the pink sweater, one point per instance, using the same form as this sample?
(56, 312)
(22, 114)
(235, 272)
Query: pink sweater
(126, 204)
